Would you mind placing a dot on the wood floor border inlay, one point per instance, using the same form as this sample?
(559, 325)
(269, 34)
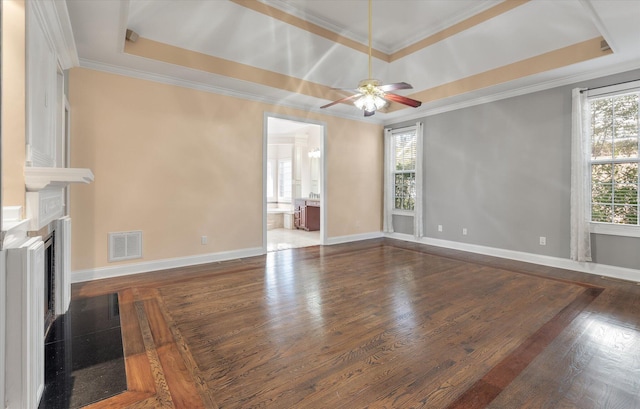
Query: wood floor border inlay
(500, 376)
(187, 358)
(163, 396)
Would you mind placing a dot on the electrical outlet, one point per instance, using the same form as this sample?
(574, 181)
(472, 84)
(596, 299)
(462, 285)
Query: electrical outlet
(439, 227)
(543, 241)
(464, 231)
(204, 240)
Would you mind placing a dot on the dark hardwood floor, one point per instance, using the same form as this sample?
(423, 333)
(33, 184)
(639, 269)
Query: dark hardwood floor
(376, 324)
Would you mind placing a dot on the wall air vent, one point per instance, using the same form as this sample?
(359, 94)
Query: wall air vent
(125, 245)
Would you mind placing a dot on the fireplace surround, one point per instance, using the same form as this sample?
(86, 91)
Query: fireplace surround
(38, 282)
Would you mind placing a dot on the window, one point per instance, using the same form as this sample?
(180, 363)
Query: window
(271, 185)
(614, 160)
(403, 179)
(284, 180)
(404, 170)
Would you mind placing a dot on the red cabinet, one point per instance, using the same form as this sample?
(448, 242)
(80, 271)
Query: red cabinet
(306, 214)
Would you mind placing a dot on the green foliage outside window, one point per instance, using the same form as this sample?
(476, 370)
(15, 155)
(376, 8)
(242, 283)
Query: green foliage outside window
(405, 171)
(405, 193)
(614, 159)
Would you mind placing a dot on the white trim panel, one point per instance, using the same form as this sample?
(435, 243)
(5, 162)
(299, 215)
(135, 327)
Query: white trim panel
(24, 360)
(63, 264)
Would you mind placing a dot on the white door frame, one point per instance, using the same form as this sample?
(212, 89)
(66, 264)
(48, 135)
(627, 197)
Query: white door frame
(323, 171)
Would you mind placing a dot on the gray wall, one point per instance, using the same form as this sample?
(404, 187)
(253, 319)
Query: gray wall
(403, 224)
(502, 171)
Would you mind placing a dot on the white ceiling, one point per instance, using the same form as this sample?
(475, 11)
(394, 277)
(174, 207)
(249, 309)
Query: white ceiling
(308, 41)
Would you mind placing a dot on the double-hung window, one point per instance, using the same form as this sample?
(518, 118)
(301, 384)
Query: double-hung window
(271, 181)
(404, 170)
(403, 176)
(284, 180)
(614, 159)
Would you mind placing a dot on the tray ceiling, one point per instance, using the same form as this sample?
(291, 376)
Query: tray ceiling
(292, 52)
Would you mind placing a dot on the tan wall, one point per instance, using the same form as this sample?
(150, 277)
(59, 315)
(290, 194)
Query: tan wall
(355, 178)
(13, 103)
(179, 164)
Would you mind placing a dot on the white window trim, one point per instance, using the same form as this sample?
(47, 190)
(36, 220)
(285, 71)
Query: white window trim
(389, 196)
(612, 228)
(615, 229)
(402, 212)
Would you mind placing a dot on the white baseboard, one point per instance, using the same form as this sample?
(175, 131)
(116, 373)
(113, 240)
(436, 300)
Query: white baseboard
(165, 264)
(353, 237)
(557, 262)
(156, 265)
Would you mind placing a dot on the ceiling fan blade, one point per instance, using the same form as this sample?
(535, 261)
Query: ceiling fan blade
(346, 91)
(403, 100)
(345, 99)
(369, 113)
(393, 87)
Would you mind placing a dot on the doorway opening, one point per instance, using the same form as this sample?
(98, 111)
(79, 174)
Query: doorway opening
(293, 183)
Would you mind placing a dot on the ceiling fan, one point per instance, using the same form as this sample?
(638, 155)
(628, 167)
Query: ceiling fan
(370, 95)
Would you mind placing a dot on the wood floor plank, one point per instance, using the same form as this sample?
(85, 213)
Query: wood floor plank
(123, 400)
(139, 376)
(132, 342)
(184, 394)
(137, 367)
(159, 330)
(382, 324)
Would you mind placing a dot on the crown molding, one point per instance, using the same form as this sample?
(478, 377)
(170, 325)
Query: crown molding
(56, 23)
(199, 86)
(528, 89)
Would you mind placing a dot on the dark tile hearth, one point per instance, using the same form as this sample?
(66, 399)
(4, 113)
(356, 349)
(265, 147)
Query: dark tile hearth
(84, 362)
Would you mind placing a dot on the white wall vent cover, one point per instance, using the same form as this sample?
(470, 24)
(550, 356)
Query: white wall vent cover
(125, 245)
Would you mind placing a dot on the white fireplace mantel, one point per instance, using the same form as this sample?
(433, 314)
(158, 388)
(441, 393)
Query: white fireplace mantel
(36, 178)
(45, 192)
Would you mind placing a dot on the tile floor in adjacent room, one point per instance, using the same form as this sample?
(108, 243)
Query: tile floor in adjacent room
(283, 239)
(84, 360)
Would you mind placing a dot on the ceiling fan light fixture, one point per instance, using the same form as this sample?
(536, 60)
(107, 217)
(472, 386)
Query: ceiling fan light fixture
(372, 97)
(370, 103)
